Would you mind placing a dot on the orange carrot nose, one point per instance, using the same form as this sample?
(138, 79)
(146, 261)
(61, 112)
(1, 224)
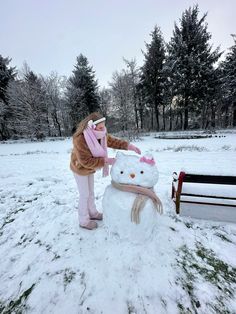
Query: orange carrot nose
(132, 175)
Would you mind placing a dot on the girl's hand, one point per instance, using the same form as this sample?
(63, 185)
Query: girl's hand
(110, 161)
(134, 149)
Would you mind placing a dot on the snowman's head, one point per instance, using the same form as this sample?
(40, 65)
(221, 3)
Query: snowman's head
(130, 169)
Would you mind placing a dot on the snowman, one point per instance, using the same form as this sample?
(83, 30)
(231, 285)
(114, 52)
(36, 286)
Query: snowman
(130, 206)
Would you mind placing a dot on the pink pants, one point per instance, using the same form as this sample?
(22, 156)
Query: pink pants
(87, 205)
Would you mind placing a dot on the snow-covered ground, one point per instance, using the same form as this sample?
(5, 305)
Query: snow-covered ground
(50, 265)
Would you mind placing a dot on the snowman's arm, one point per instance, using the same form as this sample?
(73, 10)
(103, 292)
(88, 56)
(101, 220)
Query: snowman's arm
(116, 143)
(84, 156)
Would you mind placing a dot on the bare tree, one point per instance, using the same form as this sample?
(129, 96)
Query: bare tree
(105, 101)
(29, 113)
(54, 89)
(134, 73)
(121, 88)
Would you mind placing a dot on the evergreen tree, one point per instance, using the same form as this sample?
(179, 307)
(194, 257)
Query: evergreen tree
(7, 74)
(82, 91)
(229, 82)
(192, 64)
(152, 72)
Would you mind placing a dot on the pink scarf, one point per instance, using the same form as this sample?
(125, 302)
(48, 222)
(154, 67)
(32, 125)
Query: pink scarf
(98, 150)
(142, 195)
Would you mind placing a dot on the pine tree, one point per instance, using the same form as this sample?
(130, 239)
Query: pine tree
(82, 90)
(229, 81)
(7, 74)
(192, 63)
(152, 72)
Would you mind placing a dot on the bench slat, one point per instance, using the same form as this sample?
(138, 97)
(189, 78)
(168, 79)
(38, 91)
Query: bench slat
(223, 190)
(209, 196)
(197, 178)
(207, 203)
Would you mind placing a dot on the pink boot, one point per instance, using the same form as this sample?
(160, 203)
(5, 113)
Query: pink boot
(97, 216)
(90, 225)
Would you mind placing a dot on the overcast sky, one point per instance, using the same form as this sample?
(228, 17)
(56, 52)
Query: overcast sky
(48, 35)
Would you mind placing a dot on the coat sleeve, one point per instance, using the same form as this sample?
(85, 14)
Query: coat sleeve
(84, 155)
(114, 142)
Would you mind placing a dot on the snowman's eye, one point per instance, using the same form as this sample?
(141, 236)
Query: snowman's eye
(121, 172)
(141, 171)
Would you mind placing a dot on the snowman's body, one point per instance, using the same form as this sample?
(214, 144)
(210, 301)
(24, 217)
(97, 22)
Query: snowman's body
(117, 204)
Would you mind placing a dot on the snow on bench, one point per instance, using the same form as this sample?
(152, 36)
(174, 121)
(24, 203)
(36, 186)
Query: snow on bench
(211, 197)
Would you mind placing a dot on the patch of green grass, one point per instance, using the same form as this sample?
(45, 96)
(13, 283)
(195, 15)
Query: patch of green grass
(188, 280)
(189, 225)
(189, 148)
(39, 242)
(48, 247)
(183, 309)
(204, 265)
(68, 276)
(10, 218)
(226, 147)
(17, 306)
(175, 218)
(24, 240)
(56, 256)
(130, 308)
(7, 221)
(164, 303)
(31, 200)
(220, 274)
(223, 237)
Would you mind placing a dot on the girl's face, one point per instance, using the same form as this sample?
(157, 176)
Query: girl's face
(100, 126)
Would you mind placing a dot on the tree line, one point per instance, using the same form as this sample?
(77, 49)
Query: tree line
(181, 85)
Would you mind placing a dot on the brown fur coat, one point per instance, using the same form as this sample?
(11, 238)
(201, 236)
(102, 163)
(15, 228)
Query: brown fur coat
(82, 161)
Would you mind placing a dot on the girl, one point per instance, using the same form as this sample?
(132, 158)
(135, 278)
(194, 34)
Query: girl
(89, 154)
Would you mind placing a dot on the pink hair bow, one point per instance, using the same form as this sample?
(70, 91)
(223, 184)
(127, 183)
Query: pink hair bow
(148, 160)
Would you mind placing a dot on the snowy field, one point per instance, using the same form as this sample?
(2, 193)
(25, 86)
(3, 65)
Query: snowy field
(49, 265)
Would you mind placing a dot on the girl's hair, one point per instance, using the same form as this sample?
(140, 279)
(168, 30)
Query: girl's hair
(84, 123)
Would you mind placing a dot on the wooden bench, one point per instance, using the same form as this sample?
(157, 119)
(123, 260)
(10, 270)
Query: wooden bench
(211, 197)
